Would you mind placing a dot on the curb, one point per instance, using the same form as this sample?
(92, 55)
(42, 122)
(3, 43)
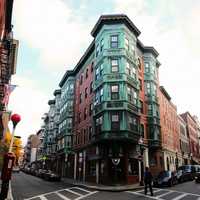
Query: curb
(109, 189)
(10, 196)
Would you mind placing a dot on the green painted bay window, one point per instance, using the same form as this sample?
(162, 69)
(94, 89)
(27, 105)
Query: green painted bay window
(146, 67)
(99, 96)
(132, 122)
(98, 124)
(102, 44)
(99, 71)
(132, 95)
(130, 70)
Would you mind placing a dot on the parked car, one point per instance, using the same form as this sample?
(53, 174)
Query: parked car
(51, 176)
(189, 171)
(16, 169)
(166, 178)
(197, 177)
(183, 176)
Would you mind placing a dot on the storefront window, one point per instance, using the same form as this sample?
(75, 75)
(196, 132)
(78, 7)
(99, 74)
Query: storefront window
(133, 168)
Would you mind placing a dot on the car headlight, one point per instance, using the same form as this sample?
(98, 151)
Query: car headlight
(196, 177)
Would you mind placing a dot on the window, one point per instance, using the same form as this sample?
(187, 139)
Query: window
(86, 74)
(102, 44)
(80, 97)
(132, 95)
(91, 108)
(101, 69)
(101, 94)
(139, 63)
(92, 65)
(142, 130)
(86, 93)
(132, 49)
(97, 75)
(79, 117)
(140, 84)
(148, 88)
(141, 107)
(115, 125)
(114, 65)
(91, 87)
(97, 50)
(114, 92)
(114, 41)
(126, 44)
(85, 113)
(147, 67)
(98, 124)
(134, 72)
(150, 109)
(90, 133)
(132, 122)
(81, 79)
(128, 69)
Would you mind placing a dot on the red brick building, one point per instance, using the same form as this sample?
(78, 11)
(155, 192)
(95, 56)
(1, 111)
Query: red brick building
(192, 132)
(169, 130)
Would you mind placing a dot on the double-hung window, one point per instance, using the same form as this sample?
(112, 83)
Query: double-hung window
(147, 67)
(114, 41)
(97, 50)
(114, 65)
(132, 122)
(115, 122)
(126, 44)
(97, 75)
(134, 72)
(114, 92)
(101, 45)
(101, 95)
(128, 68)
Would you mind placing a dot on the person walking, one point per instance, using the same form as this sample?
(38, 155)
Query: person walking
(148, 181)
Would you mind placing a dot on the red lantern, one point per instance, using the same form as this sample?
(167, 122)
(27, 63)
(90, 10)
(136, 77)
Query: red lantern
(15, 118)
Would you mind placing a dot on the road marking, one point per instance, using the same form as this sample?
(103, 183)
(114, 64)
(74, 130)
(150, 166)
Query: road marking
(76, 193)
(180, 197)
(164, 194)
(43, 198)
(91, 193)
(82, 189)
(143, 195)
(62, 196)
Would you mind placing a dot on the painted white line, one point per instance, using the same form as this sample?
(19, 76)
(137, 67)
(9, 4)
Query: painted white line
(179, 197)
(43, 198)
(91, 193)
(164, 194)
(62, 196)
(76, 193)
(82, 189)
(143, 195)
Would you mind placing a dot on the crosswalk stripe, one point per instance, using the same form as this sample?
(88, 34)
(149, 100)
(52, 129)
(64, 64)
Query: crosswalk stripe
(82, 189)
(86, 195)
(140, 194)
(180, 197)
(62, 196)
(164, 194)
(76, 193)
(43, 198)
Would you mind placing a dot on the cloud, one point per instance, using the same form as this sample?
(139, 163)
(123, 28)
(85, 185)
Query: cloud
(28, 101)
(171, 27)
(54, 29)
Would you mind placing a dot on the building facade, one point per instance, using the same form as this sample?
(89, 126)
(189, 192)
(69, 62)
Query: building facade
(8, 52)
(170, 133)
(192, 132)
(184, 141)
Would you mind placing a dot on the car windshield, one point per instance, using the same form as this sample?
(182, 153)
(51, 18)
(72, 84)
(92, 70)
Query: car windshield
(164, 174)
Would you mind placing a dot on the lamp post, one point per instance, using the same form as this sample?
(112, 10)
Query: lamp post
(141, 144)
(8, 161)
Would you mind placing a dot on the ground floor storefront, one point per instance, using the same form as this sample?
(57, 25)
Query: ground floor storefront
(110, 163)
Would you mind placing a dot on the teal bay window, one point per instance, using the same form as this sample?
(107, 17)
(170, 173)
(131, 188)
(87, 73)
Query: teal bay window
(98, 124)
(99, 96)
(132, 95)
(115, 121)
(132, 122)
(99, 71)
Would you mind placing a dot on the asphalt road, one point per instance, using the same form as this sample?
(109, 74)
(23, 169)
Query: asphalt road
(32, 188)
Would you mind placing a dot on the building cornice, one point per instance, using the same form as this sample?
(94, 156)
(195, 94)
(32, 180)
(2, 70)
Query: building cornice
(114, 19)
(162, 89)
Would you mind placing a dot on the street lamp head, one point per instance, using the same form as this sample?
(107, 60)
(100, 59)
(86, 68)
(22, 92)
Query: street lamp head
(15, 118)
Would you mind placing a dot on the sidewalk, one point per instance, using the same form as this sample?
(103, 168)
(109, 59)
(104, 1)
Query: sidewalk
(115, 188)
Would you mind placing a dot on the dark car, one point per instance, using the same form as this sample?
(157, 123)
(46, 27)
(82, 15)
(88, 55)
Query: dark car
(197, 177)
(183, 176)
(166, 178)
(189, 171)
(51, 176)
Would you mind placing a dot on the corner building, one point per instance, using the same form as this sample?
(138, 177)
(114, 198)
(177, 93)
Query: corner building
(115, 104)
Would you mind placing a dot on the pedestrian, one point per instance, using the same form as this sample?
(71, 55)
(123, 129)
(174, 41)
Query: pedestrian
(148, 181)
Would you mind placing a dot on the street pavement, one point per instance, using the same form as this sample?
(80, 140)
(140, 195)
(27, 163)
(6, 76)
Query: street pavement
(27, 187)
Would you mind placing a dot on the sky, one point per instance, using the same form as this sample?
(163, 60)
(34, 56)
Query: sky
(53, 35)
